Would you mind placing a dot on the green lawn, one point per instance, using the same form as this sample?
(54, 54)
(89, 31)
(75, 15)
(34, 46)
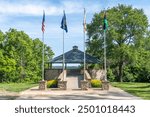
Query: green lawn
(138, 89)
(16, 87)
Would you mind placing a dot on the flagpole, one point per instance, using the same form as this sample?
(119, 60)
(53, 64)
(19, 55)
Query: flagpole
(43, 29)
(84, 29)
(64, 27)
(63, 56)
(84, 51)
(43, 57)
(105, 56)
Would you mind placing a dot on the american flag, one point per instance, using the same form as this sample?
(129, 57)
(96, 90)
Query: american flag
(84, 21)
(43, 22)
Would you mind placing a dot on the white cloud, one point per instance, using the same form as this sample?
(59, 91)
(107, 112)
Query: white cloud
(51, 9)
(11, 9)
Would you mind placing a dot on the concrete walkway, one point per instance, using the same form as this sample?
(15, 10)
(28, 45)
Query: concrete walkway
(73, 82)
(6, 95)
(91, 94)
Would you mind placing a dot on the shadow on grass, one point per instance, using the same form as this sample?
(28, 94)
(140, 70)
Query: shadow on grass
(143, 94)
(138, 91)
(148, 86)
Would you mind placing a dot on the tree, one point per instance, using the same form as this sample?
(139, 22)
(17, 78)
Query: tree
(21, 57)
(7, 65)
(37, 54)
(127, 29)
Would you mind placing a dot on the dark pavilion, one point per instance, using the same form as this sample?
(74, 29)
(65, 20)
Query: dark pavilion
(74, 56)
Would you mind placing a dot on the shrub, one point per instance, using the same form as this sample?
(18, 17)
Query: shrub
(96, 83)
(110, 75)
(36, 79)
(52, 84)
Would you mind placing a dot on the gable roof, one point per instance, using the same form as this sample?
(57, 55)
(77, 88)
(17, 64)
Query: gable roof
(75, 56)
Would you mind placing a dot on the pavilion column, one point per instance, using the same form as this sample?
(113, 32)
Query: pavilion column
(65, 65)
(51, 65)
(48, 65)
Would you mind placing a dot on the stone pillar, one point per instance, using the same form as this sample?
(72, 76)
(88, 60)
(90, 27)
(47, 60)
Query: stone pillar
(89, 83)
(62, 85)
(43, 85)
(84, 85)
(105, 85)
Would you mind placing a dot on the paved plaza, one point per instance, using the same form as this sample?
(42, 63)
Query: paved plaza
(77, 94)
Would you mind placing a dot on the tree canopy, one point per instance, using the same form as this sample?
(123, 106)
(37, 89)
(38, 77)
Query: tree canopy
(128, 42)
(21, 57)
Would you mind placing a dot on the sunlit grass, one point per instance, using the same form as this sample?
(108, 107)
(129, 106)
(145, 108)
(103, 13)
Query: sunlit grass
(16, 87)
(138, 89)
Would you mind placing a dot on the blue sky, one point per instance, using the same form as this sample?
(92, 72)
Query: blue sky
(27, 15)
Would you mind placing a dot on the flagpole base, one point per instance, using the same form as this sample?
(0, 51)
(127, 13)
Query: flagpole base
(105, 85)
(62, 85)
(43, 85)
(84, 85)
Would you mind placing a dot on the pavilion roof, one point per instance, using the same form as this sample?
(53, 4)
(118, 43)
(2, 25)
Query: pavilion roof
(75, 56)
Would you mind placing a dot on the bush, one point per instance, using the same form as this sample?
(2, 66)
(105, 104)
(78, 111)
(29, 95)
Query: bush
(96, 83)
(52, 84)
(110, 75)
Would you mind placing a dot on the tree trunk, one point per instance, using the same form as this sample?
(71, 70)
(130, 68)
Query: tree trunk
(120, 71)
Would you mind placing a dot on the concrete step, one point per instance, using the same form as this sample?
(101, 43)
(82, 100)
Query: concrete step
(73, 82)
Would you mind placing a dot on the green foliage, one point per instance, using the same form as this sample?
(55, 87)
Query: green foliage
(94, 66)
(52, 84)
(21, 57)
(136, 74)
(110, 75)
(127, 40)
(16, 87)
(129, 76)
(96, 83)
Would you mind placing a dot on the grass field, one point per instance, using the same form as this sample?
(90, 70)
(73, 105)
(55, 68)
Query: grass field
(138, 89)
(16, 87)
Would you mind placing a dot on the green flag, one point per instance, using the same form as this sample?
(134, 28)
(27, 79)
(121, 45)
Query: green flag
(105, 23)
